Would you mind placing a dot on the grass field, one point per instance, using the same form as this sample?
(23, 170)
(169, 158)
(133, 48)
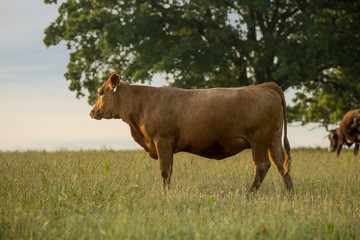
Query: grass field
(117, 195)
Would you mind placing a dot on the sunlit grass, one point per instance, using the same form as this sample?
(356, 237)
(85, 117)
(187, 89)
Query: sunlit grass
(118, 195)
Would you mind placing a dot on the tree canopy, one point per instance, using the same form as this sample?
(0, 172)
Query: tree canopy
(311, 46)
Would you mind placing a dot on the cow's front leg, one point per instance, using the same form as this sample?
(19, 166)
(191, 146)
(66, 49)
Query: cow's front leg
(356, 150)
(338, 148)
(340, 143)
(165, 154)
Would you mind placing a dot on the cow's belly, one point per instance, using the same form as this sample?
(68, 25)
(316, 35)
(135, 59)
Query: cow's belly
(218, 149)
(353, 138)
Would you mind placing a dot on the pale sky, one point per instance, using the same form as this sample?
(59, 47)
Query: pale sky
(37, 111)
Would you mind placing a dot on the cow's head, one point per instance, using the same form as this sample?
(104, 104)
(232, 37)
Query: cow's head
(107, 105)
(334, 139)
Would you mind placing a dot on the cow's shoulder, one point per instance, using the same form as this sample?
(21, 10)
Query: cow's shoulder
(348, 118)
(140, 136)
(345, 126)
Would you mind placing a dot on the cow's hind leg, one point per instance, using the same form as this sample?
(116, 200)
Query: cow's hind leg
(262, 165)
(277, 155)
(165, 154)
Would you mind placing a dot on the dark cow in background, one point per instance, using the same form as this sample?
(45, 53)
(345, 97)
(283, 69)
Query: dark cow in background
(214, 123)
(347, 133)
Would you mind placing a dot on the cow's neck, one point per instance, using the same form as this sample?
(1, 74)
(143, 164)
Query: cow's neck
(132, 101)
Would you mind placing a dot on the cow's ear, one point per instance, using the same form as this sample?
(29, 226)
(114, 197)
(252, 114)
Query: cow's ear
(114, 81)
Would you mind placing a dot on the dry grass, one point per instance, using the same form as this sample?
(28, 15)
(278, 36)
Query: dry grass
(117, 195)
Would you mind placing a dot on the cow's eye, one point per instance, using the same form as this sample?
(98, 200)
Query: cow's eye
(101, 91)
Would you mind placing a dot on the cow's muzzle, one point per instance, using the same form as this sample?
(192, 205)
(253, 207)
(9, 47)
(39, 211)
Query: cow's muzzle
(331, 149)
(95, 115)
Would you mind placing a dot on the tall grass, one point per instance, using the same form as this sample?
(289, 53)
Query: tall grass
(117, 195)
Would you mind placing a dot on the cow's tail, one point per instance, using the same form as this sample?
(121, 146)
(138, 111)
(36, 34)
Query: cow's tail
(287, 163)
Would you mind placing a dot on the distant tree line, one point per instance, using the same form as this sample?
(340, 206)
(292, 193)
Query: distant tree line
(312, 46)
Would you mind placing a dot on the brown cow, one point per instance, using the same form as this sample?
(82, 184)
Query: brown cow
(347, 133)
(213, 123)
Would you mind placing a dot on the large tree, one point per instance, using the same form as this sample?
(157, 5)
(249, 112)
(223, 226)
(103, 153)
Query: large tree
(312, 46)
